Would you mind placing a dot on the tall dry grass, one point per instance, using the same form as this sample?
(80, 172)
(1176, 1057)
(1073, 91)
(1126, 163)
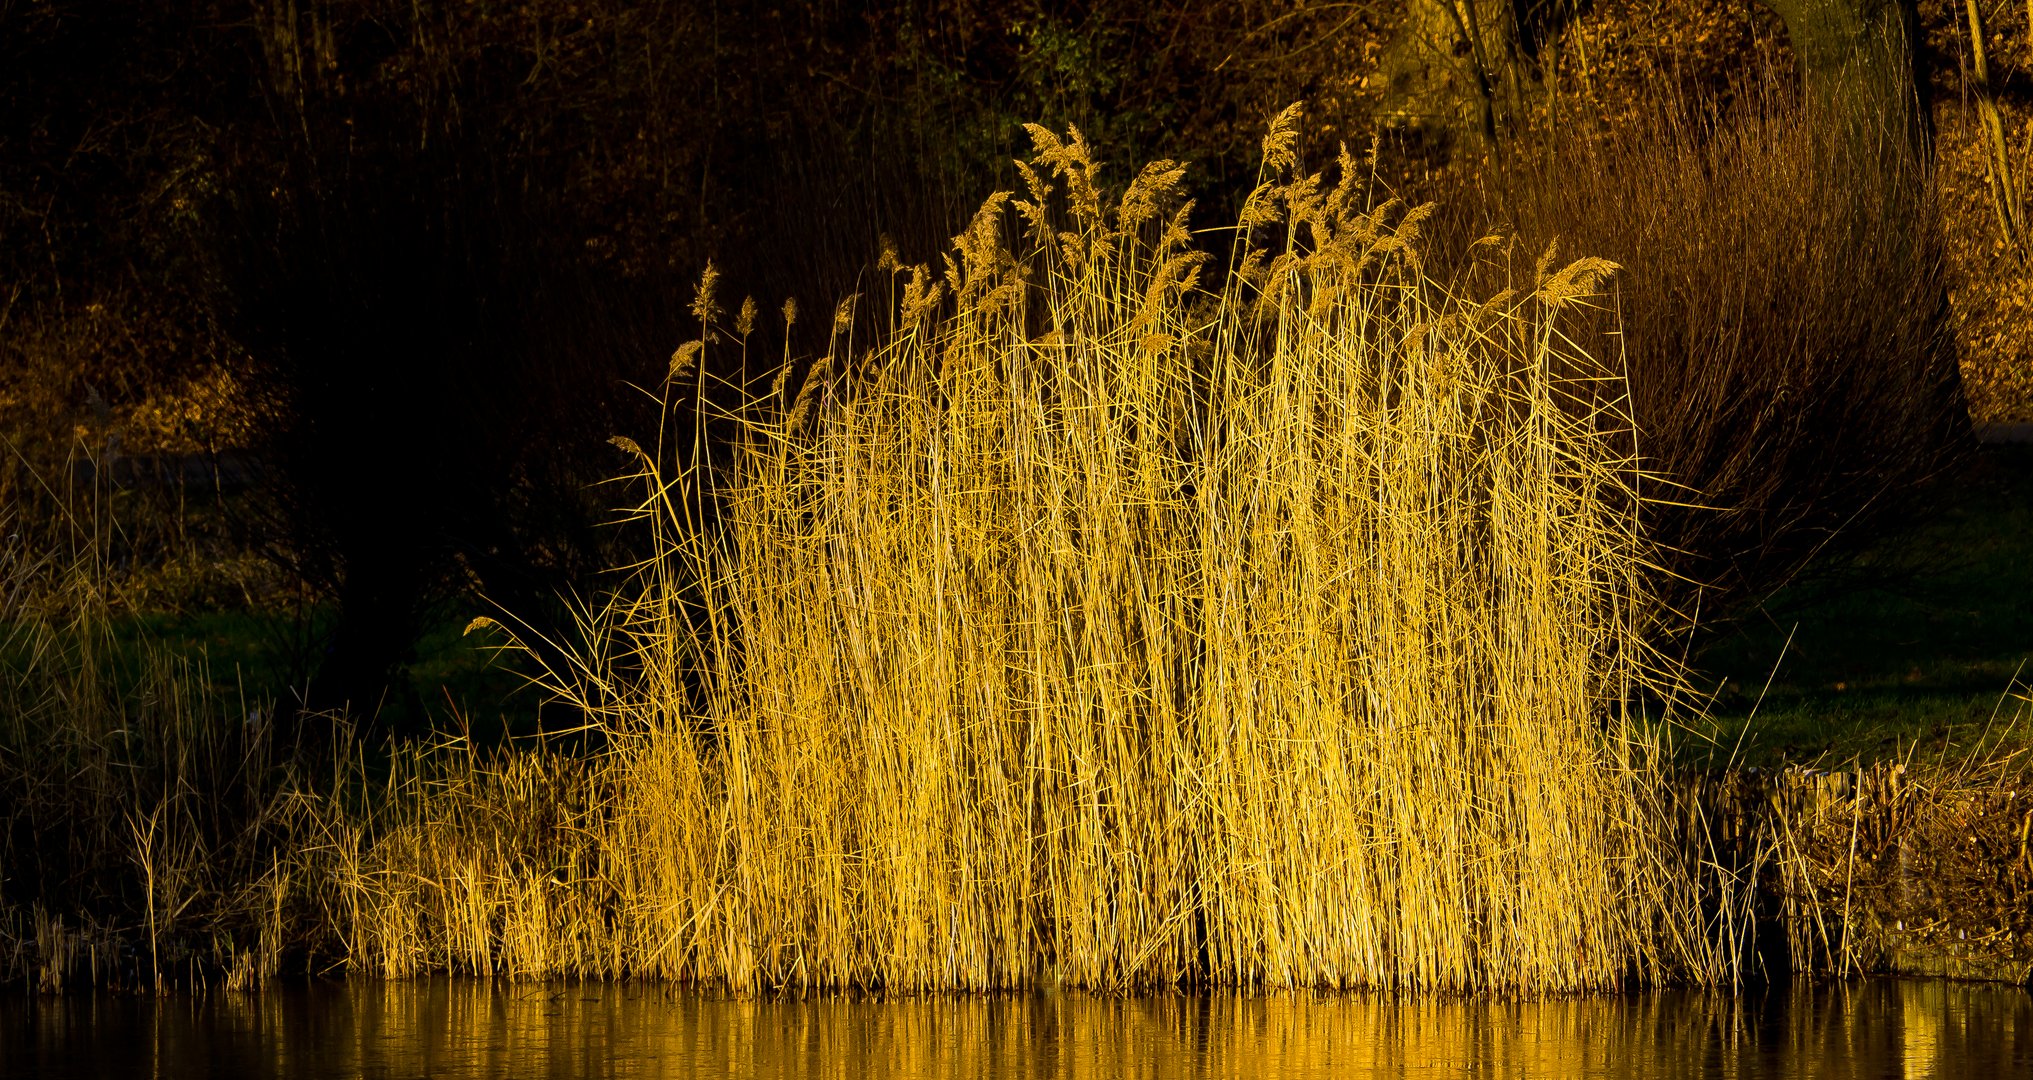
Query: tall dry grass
(1092, 626)
(1096, 627)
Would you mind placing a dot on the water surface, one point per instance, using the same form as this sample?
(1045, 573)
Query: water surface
(450, 1028)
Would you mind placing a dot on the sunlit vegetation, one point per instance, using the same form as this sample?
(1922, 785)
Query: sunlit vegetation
(1214, 574)
(1090, 627)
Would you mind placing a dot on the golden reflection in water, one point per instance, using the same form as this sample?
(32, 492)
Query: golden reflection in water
(460, 1029)
(1920, 1025)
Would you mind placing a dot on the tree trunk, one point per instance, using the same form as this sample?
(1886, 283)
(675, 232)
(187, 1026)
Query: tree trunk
(1451, 70)
(1857, 60)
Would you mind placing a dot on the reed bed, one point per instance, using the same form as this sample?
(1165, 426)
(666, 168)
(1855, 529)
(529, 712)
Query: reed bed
(1092, 626)
(1097, 627)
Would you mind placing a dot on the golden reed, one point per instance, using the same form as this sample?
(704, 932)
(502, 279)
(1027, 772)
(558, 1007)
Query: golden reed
(1101, 628)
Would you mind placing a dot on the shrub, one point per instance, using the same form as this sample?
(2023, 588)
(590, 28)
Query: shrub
(1791, 365)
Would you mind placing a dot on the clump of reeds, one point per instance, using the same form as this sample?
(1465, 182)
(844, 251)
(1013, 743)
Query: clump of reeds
(493, 864)
(1096, 627)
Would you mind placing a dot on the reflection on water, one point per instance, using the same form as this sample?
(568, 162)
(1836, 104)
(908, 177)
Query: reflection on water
(460, 1029)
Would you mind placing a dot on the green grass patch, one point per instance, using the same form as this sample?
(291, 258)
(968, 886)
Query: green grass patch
(1921, 642)
(454, 682)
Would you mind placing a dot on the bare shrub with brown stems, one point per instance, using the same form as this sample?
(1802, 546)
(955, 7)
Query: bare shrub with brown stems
(1093, 627)
(1791, 358)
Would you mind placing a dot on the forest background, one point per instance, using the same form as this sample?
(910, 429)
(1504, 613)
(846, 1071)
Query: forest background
(403, 261)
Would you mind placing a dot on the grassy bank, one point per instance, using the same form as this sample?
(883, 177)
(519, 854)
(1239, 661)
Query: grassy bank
(1918, 642)
(1107, 619)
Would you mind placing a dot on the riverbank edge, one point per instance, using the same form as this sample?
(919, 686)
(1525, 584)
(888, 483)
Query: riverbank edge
(1889, 869)
(1901, 869)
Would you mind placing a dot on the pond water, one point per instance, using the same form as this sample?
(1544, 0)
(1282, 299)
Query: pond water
(447, 1028)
